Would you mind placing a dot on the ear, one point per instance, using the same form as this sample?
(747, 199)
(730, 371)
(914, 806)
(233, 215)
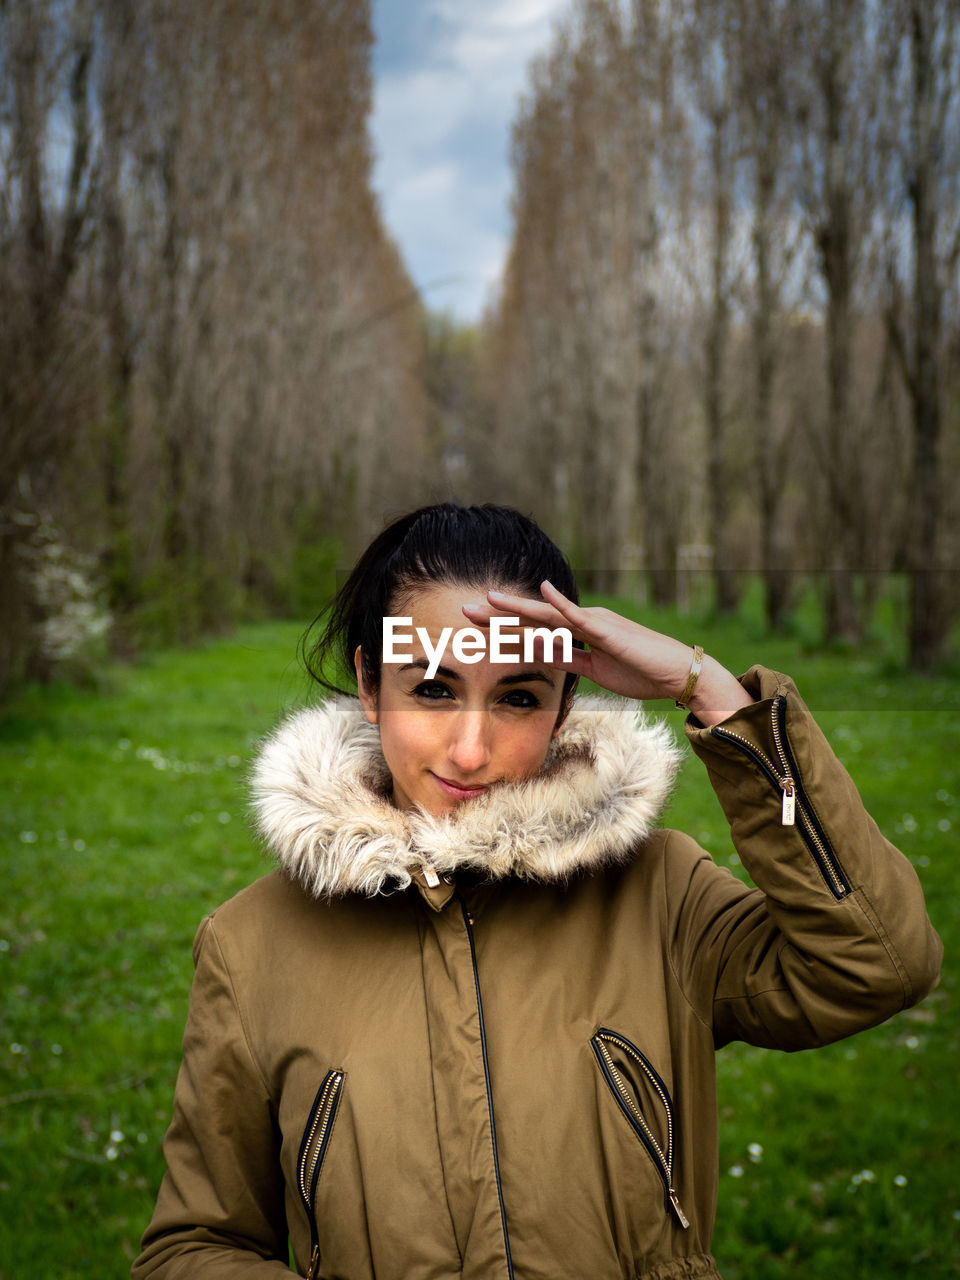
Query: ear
(368, 697)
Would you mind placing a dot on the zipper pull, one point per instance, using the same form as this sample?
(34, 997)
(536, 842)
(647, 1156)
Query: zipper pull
(314, 1262)
(788, 815)
(430, 875)
(675, 1206)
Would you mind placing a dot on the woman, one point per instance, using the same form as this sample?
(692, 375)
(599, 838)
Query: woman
(468, 1027)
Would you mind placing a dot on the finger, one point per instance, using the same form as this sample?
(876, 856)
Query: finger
(580, 663)
(558, 612)
(481, 612)
(529, 608)
(563, 604)
(590, 625)
(481, 615)
(508, 600)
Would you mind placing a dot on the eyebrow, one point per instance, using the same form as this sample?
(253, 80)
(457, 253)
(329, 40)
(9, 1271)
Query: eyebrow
(518, 677)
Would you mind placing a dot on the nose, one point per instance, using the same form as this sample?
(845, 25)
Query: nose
(469, 744)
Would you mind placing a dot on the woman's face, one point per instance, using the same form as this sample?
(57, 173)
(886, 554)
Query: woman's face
(447, 739)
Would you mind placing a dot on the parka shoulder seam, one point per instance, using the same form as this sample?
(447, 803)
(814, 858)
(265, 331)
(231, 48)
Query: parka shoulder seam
(212, 931)
(202, 930)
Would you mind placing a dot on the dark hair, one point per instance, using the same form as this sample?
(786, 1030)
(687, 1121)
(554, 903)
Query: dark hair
(475, 546)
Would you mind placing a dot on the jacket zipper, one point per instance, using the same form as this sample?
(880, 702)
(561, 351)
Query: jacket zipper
(468, 922)
(795, 803)
(313, 1148)
(663, 1159)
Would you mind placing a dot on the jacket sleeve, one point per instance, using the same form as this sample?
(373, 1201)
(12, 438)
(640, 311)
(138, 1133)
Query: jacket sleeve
(835, 937)
(220, 1211)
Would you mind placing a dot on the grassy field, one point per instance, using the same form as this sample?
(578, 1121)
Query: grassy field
(122, 822)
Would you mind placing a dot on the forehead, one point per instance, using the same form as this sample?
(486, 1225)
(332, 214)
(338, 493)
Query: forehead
(439, 604)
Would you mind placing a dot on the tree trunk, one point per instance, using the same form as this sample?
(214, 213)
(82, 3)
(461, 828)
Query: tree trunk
(773, 569)
(724, 582)
(843, 619)
(119, 364)
(928, 617)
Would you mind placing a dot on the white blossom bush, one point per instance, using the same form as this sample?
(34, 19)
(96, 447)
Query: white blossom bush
(70, 621)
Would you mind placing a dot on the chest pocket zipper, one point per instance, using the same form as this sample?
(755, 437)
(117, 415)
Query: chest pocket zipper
(313, 1148)
(662, 1154)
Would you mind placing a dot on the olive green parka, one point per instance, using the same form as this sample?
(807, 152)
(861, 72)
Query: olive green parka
(482, 1046)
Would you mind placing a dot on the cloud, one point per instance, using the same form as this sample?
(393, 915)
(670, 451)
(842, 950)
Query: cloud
(448, 77)
(494, 42)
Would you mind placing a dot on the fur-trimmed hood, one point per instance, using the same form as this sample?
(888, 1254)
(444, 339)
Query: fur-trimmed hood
(321, 788)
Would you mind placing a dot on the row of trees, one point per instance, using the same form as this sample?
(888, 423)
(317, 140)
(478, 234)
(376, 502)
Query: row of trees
(209, 361)
(731, 312)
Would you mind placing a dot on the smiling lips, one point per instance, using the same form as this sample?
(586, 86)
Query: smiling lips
(458, 792)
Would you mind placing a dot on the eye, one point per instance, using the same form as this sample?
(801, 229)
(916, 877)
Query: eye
(431, 691)
(520, 698)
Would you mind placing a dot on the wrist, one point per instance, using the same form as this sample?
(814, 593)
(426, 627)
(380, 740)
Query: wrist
(717, 694)
(693, 675)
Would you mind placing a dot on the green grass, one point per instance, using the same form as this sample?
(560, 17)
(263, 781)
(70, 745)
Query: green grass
(123, 821)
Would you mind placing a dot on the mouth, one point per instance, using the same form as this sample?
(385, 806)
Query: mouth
(458, 791)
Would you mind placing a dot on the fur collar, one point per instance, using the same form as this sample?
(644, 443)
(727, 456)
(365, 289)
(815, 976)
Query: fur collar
(320, 789)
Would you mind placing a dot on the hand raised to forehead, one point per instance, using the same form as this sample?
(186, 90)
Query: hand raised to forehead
(624, 657)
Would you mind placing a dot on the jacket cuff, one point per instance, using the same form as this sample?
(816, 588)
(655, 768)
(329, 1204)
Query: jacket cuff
(801, 830)
(772, 767)
(754, 725)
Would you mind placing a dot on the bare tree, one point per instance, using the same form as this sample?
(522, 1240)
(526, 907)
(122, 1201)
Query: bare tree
(710, 57)
(765, 50)
(922, 132)
(204, 314)
(581, 322)
(47, 194)
(835, 95)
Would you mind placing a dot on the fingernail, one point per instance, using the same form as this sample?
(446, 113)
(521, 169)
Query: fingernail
(472, 604)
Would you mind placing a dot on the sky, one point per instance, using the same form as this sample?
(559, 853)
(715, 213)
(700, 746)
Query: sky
(447, 78)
